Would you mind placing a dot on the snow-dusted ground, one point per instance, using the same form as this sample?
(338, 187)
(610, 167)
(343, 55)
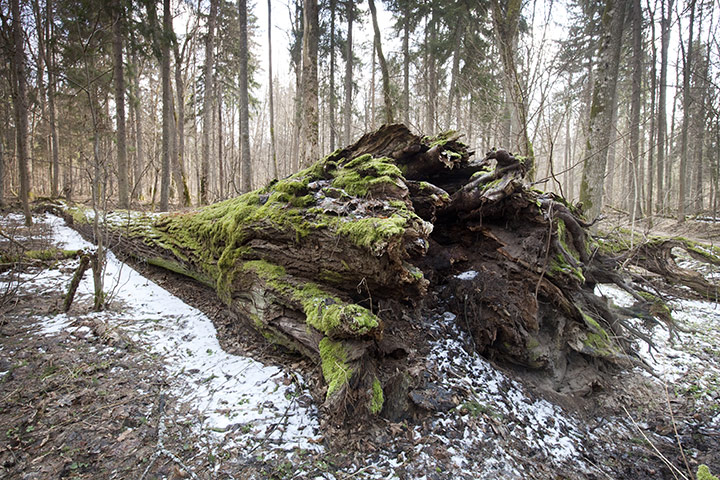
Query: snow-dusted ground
(497, 431)
(236, 394)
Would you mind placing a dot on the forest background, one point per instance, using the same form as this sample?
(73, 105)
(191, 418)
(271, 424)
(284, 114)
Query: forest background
(177, 103)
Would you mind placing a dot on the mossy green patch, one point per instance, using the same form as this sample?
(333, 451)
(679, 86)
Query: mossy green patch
(558, 265)
(50, 254)
(365, 173)
(369, 232)
(335, 367)
(703, 473)
(323, 311)
(331, 316)
(377, 399)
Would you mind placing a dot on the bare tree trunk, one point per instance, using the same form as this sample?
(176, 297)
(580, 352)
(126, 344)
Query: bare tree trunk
(119, 80)
(179, 156)
(332, 101)
(370, 119)
(687, 100)
(700, 120)
(50, 56)
(602, 107)
(455, 72)
(139, 147)
(21, 111)
(662, 100)
(349, 11)
(649, 204)
(406, 65)
(2, 175)
(506, 18)
(207, 103)
(310, 120)
(244, 112)
(388, 109)
(431, 73)
(167, 108)
(635, 159)
(220, 140)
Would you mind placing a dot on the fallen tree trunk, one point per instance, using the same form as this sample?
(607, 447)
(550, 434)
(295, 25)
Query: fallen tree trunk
(343, 260)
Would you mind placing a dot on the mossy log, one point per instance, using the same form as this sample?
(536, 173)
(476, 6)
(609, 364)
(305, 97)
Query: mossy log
(342, 262)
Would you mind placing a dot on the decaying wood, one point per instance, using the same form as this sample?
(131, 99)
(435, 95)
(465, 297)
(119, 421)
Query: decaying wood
(339, 261)
(75, 282)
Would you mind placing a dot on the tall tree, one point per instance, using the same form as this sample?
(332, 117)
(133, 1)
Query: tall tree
(208, 103)
(332, 101)
(52, 93)
(310, 120)
(506, 21)
(166, 108)
(244, 111)
(271, 99)
(665, 13)
(179, 150)
(687, 100)
(136, 104)
(118, 11)
(637, 66)
(602, 107)
(388, 108)
(406, 63)
(21, 110)
(350, 14)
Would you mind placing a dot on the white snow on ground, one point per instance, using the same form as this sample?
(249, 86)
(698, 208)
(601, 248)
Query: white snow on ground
(232, 393)
(683, 360)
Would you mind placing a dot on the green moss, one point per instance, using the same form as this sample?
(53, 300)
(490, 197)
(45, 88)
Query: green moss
(368, 232)
(440, 139)
(323, 311)
(558, 266)
(377, 399)
(703, 473)
(265, 270)
(50, 254)
(335, 367)
(331, 316)
(597, 339)
(365, 174)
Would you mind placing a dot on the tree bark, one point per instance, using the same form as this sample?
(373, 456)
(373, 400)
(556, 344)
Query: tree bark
(406, 64)
(208, 103)
(21, 110)
(119, 81)
(310, 119)
(506, 18)
(166, 109)
(637, 66)
(139, 165)
(179, 156)
(662, 100)
(350, 13)
(244, 111)
(271, 95)
(602, 108)
(687, 103)
(388, 108)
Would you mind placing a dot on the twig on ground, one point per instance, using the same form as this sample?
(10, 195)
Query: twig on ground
(673, 469)
(161, 450)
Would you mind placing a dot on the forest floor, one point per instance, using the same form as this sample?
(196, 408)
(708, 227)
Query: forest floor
(158, 387)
